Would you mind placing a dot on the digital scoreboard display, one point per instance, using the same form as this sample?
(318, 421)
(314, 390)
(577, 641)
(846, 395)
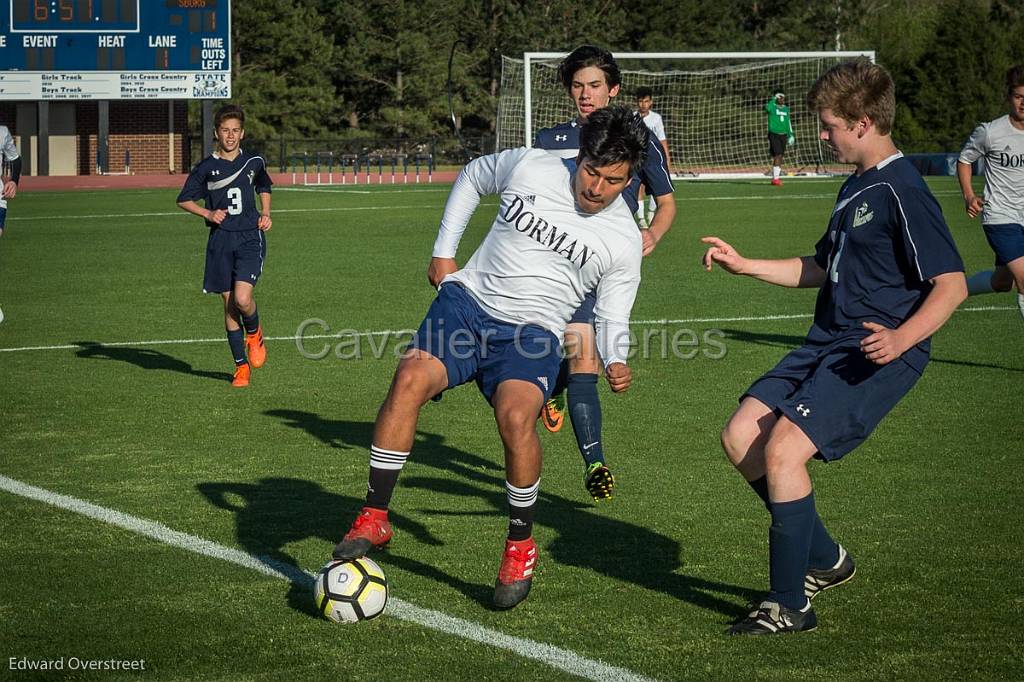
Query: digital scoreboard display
(115, 49)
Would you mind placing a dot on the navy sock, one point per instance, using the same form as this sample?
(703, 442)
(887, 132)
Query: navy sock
(562, 382)
(585, 411)
(236, 339)
(251, 322)
(789, 545)
(760, 487)
(824, 550)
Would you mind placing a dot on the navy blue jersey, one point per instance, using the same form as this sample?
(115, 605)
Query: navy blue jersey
(229, 185)
(654, 174)
(885, 240)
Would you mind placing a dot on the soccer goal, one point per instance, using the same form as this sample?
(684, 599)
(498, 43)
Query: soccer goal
(712, 104)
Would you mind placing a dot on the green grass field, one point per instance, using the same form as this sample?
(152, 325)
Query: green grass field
(114, 391)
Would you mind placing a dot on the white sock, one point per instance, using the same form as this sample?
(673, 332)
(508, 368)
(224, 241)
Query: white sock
(776, 172)
(1020, 305)
(980, 283)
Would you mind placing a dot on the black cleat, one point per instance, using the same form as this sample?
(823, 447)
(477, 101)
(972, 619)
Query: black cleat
(820, 579)
(599, 481)
(772, 618)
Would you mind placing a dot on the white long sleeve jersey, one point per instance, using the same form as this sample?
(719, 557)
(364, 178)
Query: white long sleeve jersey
(1002, 146)
(542, 254)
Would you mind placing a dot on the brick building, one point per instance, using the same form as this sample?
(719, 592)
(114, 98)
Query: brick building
(154, 132)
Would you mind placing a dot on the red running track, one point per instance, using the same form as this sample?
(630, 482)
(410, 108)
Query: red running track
(35, 183)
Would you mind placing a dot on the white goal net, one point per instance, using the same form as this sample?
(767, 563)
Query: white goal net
(712, 105)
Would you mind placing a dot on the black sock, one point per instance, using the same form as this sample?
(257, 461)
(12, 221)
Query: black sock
(521, 502)
(236, 339)
(789, 545)
(385, 466)
(585, 412)
(251, 322)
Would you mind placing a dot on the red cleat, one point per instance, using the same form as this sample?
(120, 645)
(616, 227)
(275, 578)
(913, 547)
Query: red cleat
(516, 573)
(370, 529)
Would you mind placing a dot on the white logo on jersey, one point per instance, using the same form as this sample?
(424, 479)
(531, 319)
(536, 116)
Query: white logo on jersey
(252, 174)
(561, 138)
(215, 172)
(544, 382)
(862, 215)
(804, 411)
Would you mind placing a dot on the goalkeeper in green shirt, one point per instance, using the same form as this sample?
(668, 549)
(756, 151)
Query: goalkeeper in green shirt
(780, 133)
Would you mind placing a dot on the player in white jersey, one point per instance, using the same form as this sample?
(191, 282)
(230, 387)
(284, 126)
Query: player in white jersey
(10, 174)
(1001, 143)
(644, 102)
(562, 230)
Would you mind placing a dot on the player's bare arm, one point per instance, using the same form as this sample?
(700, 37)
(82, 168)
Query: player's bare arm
(661, 224)
(215, 217)
(264, 222)
(973, 204)
(439, 269)
(800, 272)
(619, 376)
(885, 345)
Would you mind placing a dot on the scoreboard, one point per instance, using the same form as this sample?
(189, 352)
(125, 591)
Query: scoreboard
(115, 49)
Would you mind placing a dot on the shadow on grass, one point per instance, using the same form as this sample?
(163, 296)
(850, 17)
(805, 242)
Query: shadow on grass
(275, 512)
(146, 358)
(279, 511)
(789, 342)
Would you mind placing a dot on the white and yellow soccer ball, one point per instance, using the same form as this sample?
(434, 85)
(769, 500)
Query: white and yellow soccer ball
(351, 591)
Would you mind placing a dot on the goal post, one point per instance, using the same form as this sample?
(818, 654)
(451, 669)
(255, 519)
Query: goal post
(712, 104)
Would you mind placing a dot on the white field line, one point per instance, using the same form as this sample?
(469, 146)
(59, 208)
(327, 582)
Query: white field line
(395, 332)
(556, 657)
(334, 209)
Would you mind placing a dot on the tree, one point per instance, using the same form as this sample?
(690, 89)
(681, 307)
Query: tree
(281, 64)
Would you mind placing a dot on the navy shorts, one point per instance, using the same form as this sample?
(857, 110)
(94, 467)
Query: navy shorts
(777, 143)
(834, 393)
(233, 257)
(473, 345)
(585, 313)
(1007, 240)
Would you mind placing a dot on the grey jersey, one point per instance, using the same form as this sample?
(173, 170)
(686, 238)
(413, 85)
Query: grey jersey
(1002, 146)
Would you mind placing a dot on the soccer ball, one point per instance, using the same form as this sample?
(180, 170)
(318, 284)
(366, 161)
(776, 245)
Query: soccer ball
(351, 591)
